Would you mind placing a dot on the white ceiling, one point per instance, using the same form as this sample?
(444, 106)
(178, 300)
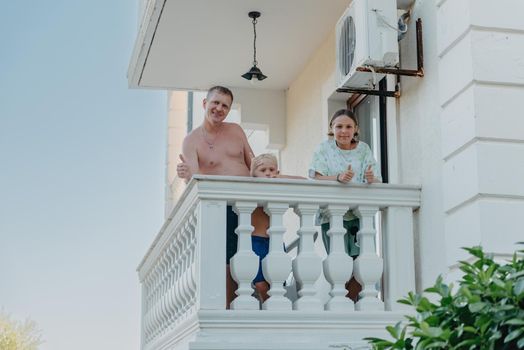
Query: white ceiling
(194, 44)
(200, 43)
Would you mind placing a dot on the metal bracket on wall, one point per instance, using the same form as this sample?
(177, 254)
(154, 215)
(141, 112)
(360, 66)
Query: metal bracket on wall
(419, 72)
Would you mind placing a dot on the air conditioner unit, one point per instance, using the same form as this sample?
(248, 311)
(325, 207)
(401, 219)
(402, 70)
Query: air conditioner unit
(366, 36)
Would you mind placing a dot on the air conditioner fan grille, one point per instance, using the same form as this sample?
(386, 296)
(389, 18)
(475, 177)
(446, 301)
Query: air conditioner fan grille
(347, 45)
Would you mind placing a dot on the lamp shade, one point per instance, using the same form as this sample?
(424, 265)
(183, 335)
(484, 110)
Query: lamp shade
(254, 73)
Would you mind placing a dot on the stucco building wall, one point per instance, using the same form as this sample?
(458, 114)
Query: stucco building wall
(458, 129)
(305, 115)
(176, 131)
(481, 67)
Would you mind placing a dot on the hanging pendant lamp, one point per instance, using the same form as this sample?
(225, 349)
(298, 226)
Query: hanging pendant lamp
(254, 72)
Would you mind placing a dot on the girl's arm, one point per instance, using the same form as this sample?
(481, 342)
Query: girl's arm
(318, 176)
(281, 176)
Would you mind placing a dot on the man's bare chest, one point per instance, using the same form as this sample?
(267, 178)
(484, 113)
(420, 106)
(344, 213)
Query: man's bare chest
(220, 153)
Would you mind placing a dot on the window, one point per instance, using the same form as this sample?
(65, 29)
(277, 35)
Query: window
(371, 114)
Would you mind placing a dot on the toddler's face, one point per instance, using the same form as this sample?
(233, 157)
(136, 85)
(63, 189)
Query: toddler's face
(265, 168)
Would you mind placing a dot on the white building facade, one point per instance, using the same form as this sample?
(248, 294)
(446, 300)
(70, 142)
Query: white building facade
(452, 147)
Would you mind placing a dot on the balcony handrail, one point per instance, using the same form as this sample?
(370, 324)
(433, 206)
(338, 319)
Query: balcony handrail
(180, 272)
(232, 188)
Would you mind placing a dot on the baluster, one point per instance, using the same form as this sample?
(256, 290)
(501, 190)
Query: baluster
(307, 264)
(159, 294)
(182, 279)
(368, 265)
(163, 301)
(338, 266)
(143, 334)
(150, 304)
(187, 265)
(192, 259)
(155, 314)
(178, 273)
(244, 264)
(170, 277)
(171, 290)
(276, 266)
(147, 313)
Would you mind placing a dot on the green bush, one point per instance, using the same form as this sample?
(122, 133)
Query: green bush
(485, 312)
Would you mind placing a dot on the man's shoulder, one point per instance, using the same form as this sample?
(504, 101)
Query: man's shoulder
(193, 133)
(233, 127)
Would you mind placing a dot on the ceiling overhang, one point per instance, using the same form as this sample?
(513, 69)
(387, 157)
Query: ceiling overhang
(192, 45)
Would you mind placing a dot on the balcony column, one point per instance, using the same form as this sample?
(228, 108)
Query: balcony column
(399, 267)
(244, 264)
(276, 266)
(211, 264)
(338, 266)
(307, 264)
(368, 265)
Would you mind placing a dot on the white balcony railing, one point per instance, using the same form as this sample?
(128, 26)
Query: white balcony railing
(183, 272)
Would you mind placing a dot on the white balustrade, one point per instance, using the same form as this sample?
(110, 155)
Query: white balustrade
(244, 264)
(276, 266)
(184, 271)
(307, 265)
(338, 266)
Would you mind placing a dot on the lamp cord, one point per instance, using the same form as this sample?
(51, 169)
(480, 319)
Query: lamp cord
(254, 42)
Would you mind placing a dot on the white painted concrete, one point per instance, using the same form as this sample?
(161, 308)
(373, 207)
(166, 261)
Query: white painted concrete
(183, 271)
(481, 87)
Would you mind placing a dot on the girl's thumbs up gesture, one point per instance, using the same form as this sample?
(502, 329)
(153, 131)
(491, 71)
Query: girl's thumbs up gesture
(346, 176)
(368, 174)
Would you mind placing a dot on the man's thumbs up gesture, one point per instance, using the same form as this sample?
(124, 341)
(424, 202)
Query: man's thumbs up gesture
(346, 176)
(182, 169)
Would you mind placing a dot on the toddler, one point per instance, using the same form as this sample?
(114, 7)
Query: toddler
(264, 165)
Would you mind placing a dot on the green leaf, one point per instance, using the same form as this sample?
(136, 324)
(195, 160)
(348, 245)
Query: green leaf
(466, 342)
(393, 331)
(516, 274)
(475, 251)
(484, 324)
(470, 329)
(404, 301)
(479, 315)
(513, 335)
(515, 321)
(476, 307)
(519, 287)
(499, 283)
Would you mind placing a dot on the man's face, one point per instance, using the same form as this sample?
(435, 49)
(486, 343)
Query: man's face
(217, 107)
(265, 168)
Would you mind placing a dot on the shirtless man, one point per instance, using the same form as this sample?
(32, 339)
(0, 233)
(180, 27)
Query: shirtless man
(218, 148)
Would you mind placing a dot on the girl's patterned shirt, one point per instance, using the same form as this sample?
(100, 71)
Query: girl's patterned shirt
(330, 160)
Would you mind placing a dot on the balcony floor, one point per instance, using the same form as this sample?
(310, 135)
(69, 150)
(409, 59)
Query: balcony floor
(268, 330)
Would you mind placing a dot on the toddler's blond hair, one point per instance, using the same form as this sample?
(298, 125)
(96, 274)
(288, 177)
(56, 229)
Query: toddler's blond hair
(264, 156)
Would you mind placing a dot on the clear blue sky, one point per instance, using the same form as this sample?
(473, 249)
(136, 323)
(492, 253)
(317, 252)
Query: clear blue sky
(81, 171)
